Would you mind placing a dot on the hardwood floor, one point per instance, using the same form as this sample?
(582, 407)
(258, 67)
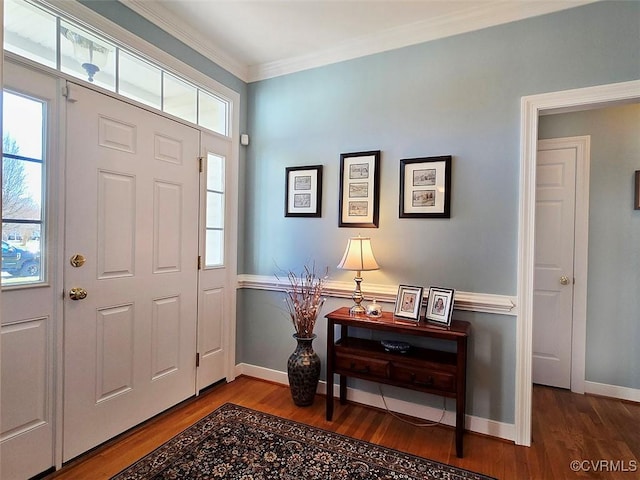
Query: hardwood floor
(601, 434)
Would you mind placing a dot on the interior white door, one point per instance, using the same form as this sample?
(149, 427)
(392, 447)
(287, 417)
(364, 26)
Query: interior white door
(132, 213)
(554, 264)
(215, 285)
(29, 313)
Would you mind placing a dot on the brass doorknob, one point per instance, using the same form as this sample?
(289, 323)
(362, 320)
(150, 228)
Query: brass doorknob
(77, 293)
(564, 280)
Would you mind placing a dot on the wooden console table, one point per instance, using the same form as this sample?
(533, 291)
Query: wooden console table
(432, 371)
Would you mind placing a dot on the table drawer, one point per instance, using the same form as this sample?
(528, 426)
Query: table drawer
(423, 378)
(361, 366)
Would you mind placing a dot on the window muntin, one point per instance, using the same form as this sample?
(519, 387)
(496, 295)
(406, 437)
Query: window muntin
(32, 31)
(23, 180)
(214, 242)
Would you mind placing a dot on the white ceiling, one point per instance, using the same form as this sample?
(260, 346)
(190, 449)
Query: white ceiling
(258, 39)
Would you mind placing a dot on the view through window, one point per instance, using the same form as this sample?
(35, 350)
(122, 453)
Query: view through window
(23, 146)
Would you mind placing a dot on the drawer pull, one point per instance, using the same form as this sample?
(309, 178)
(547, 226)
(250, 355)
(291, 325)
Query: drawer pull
(427, 383)
(359, 370)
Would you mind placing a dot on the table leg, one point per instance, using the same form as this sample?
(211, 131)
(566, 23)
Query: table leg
(330, 345)
(461, 396)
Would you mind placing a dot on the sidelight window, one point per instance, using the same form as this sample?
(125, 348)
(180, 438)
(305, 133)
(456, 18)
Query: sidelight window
(214, 245)
(23, 180)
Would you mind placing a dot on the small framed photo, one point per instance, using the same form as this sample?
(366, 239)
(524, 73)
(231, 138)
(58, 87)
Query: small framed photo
(440, 306)
(303, 192)
(359, 189)
(425, 187)
(636, 205)
(409, 302)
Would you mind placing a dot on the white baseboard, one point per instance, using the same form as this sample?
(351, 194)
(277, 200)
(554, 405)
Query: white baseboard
(475, 424)
(613, 391)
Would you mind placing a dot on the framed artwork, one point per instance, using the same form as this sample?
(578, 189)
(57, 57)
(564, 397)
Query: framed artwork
(425, 187)
(359, 189)
(440, 306)
(303, 192)
(408, 302)
(636, 205)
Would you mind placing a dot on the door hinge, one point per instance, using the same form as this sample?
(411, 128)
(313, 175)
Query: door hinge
(199, 262)
(197, 360)
(200, 160)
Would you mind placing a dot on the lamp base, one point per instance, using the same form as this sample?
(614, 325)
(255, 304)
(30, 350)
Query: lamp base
(357, 297)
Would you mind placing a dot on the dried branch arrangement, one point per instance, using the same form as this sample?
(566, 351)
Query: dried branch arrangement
(304, 299)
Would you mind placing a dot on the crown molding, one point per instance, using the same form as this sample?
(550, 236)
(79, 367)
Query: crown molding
(485, 14)
(163, 18)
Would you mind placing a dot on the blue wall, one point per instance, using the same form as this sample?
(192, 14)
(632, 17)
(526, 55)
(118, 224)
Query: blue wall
(457, 96)
(613, 305)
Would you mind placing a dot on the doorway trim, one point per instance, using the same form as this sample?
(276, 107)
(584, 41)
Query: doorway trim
(530, 109)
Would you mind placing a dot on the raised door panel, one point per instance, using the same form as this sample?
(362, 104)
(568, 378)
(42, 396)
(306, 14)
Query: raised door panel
(116, 205)
(114, 353)
(167, 237)
(165, 347)
(25, 424)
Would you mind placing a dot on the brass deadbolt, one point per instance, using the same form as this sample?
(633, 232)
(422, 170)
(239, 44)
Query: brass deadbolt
(77, 260)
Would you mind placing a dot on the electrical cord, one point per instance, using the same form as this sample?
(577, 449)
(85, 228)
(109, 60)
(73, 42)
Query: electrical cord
(393, 414)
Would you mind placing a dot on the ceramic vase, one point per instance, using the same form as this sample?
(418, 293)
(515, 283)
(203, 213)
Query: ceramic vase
(303, 369)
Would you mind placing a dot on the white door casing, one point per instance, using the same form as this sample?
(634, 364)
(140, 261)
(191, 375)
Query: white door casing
(554, 255)
(531, 108)
(30, 319)
(132, 211)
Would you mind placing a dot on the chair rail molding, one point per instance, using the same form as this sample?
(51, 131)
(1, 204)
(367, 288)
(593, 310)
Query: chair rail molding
(467, 301)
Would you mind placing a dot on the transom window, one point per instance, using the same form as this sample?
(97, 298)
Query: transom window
(34, 32)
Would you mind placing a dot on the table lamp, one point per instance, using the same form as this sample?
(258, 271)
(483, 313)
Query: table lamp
(358, 256)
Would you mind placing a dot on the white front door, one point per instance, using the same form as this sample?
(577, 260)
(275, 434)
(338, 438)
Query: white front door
(30, 305)
(554, 263)
(132, 213)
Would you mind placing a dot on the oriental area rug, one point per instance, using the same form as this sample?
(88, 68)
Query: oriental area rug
(238, 443)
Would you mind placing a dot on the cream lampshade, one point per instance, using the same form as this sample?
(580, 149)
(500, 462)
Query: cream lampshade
(358, 257)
